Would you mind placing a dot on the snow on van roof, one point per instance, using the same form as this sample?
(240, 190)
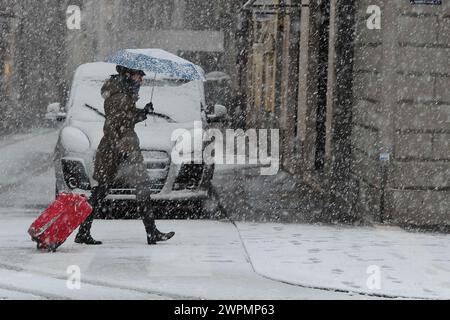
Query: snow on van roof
(95, 70)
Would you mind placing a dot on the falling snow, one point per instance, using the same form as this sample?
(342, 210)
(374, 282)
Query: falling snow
(357, 93)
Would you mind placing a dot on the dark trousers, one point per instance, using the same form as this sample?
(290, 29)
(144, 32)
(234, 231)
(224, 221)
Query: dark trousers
(144, 208)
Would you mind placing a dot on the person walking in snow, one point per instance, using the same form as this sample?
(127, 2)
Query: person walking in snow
(119, 152)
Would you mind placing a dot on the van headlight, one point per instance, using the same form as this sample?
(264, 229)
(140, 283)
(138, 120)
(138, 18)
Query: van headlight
(74, 140)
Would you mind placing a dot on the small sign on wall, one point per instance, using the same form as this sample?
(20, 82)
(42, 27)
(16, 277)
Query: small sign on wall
(432, 2)
(384, 157)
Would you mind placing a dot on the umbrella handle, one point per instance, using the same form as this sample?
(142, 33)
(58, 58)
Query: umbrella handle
(153, 89)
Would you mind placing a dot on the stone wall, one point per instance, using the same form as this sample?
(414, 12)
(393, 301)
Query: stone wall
(368, 117)
(402, 107)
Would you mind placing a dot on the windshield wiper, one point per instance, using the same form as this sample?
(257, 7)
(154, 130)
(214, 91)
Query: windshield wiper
(164, 116)
(95, 110)
(157, 114)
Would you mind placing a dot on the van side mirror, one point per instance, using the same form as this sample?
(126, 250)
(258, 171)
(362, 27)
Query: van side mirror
(55, 113)
(220, 114)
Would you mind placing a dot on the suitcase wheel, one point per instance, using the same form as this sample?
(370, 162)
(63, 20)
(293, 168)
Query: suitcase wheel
(53, 247)
(40, 246)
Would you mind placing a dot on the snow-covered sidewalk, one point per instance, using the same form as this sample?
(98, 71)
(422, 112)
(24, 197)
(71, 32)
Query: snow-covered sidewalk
(205, 260)
(380, 260)
(216, 260)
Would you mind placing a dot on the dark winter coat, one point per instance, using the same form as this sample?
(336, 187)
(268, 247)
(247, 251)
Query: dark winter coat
(119, 148)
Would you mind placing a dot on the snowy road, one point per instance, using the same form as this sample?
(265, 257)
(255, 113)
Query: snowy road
(206, 259)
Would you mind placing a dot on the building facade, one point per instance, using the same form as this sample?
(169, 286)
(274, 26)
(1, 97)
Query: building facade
(32, 73)
(363, 109)
(8, 22)
(200, 31)
(39, 52)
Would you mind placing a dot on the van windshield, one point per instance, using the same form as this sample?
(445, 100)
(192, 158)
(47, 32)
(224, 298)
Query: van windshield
(178, 99)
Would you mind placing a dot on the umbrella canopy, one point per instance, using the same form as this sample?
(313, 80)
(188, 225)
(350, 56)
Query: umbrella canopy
(157, 61)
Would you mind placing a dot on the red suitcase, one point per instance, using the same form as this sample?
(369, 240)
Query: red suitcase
(59, 220)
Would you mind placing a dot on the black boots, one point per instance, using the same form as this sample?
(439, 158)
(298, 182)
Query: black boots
(144, 208)
(159, 236)
(84, 233)
(86, 239)
(153, 234)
